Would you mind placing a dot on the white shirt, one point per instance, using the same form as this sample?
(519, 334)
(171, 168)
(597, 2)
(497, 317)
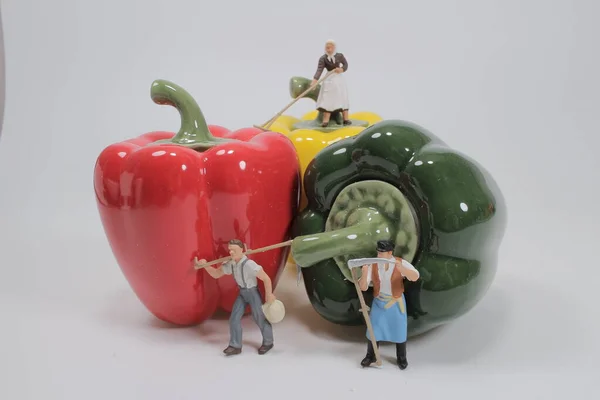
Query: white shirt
(385, 277)
(246, 277)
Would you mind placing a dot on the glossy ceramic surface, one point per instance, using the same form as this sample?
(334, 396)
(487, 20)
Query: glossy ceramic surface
(309, 142)
(459, 214)
(299, 85)
(364, 212)
(166, 198)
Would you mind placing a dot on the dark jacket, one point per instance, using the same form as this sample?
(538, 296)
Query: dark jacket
(324, 63)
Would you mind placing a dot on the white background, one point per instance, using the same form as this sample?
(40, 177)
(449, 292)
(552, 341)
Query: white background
(514, 84)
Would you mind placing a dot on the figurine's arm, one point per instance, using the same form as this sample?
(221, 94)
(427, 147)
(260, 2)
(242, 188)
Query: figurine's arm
(343, 61)
(217, 272)
(320, 68)
(407, 270)
(262, 275)
(365, 278)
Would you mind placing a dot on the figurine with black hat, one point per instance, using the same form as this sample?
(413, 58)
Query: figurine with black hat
(388, 310)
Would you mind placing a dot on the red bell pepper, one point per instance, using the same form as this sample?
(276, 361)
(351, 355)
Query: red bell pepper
(166, 198)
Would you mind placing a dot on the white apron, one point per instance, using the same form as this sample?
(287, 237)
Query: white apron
(333, 94)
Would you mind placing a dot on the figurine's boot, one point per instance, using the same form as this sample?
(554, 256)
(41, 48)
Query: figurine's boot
(326, 117)
(346, 120)
(264, 348)
(401, 355)
(370, 357)
(231, 351)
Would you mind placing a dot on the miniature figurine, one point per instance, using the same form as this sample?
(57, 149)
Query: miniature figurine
(388, 311)
(245, 272)
(333, 95)
(329, 92)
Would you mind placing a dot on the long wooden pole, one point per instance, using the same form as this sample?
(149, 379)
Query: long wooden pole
(270, 122)
(259, 250)
(365, 311)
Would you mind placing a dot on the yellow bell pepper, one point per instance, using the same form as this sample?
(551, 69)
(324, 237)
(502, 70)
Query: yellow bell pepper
(286, 121)
(308, 142)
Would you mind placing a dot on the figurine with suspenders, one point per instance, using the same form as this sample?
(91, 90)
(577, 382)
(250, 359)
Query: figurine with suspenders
(245, 272)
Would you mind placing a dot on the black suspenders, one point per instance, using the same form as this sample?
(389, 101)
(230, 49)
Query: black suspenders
(242, 272)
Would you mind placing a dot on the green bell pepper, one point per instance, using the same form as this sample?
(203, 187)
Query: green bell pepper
(395, 180)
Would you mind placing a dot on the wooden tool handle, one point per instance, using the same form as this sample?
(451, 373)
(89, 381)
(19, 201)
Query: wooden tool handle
(270, 122)
(365, 311)
(259, 250)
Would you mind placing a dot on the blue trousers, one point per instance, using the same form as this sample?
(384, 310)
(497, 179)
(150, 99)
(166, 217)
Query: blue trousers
(248, 297)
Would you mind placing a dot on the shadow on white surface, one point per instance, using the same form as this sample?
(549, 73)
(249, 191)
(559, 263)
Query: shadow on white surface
(520, 322)
(84, 318)
(299, 309)
(505, 330)
(479, 335)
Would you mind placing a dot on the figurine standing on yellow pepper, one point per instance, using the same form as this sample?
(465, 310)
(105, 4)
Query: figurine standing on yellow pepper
(333, 96)
(388, 310)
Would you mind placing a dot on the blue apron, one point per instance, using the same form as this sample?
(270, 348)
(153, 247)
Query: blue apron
(389, 320)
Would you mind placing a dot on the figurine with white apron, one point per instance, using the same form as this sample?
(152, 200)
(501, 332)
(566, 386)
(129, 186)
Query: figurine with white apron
(333, 95)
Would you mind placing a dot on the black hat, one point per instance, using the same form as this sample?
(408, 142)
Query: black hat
(384, 246)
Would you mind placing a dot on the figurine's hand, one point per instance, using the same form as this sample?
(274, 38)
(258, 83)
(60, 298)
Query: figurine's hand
(313, 82)
(271, 298)
(199, 262)
(339, 70)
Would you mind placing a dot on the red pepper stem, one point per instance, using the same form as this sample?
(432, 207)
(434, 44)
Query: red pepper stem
(194, 131)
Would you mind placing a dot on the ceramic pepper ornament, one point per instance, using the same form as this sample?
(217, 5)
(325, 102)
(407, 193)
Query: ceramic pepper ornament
(166, 198)
(397, 181)
(307, 133)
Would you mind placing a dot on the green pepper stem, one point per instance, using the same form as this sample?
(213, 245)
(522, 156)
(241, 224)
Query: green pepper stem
(299, 84)
(194, 130)
(360, 238)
